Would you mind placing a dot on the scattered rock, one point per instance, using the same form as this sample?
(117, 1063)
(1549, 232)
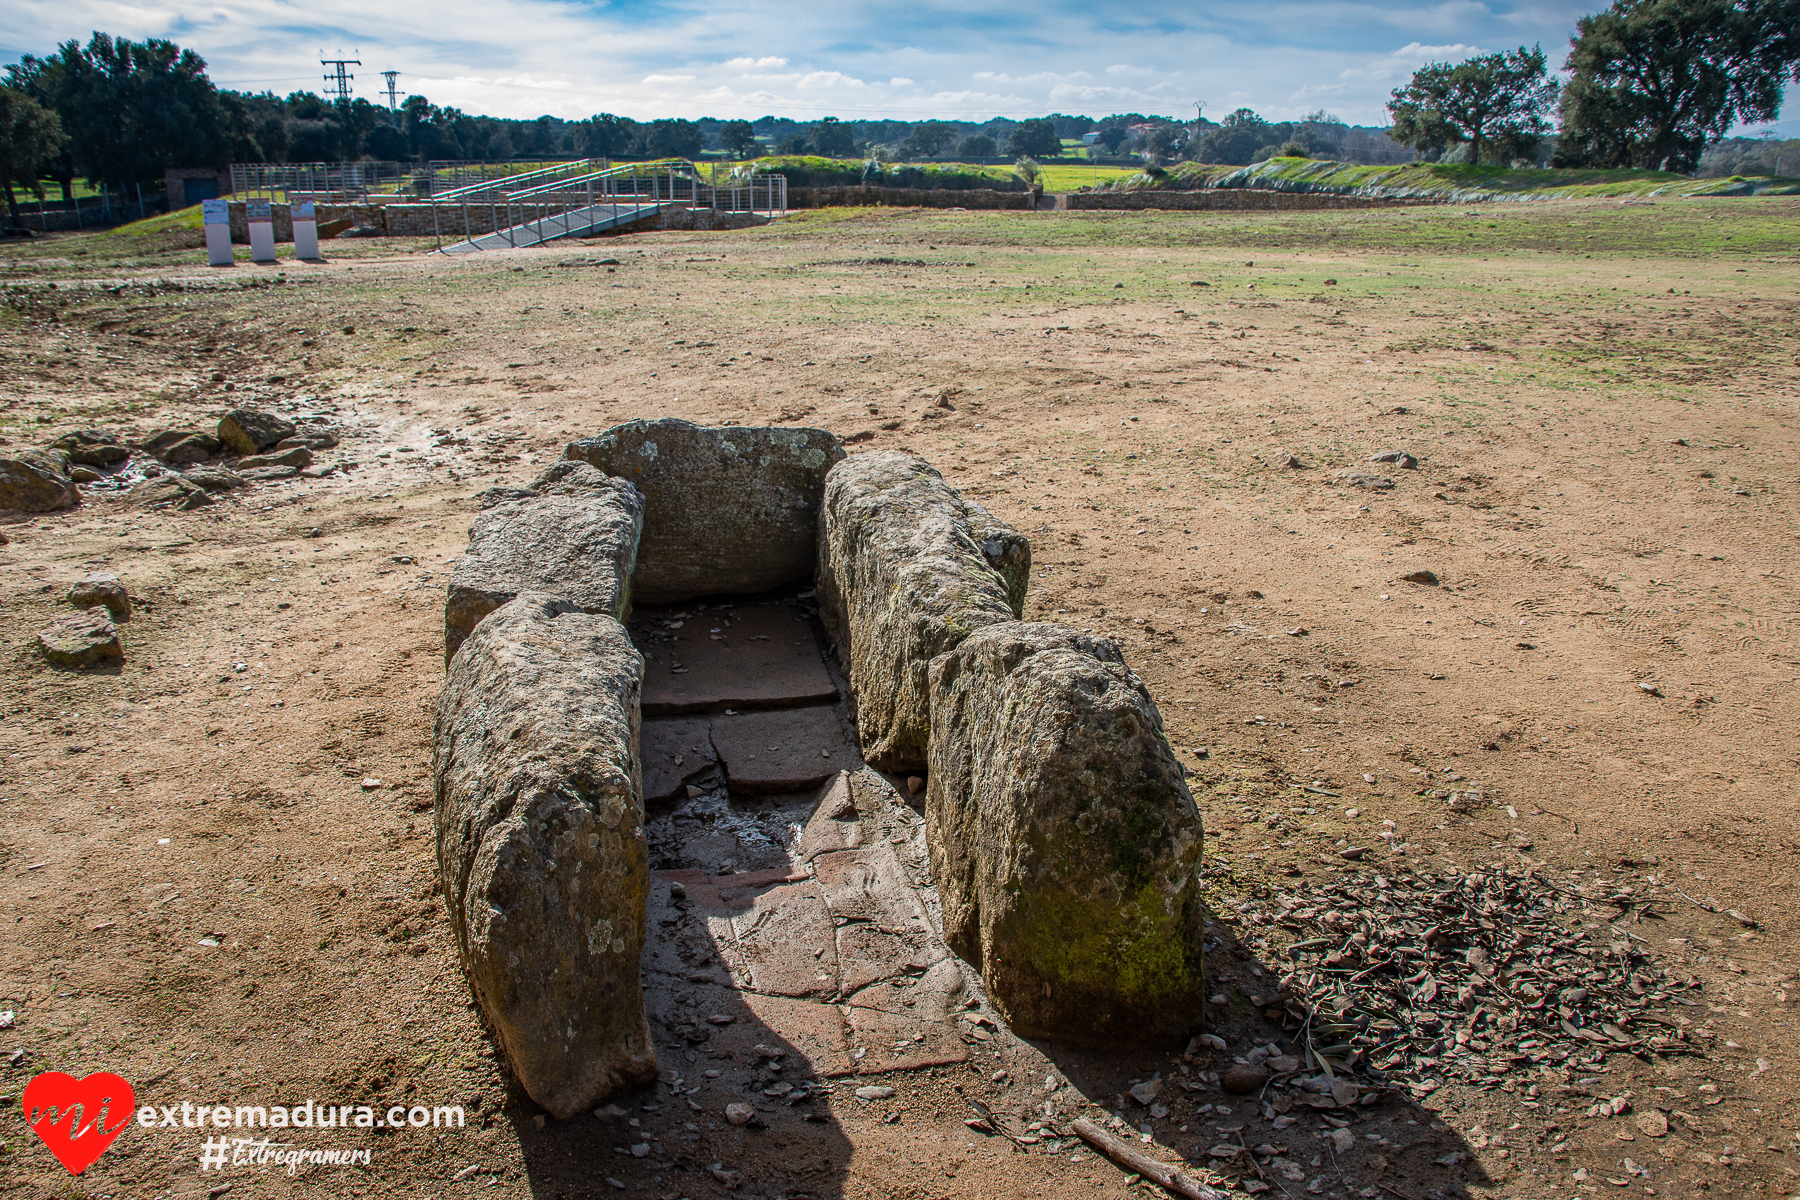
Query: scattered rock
(1357, 477)
(1146, 1091)
(874, 1092)
(914, 785)
(726, 508)
(296, 458)
(251, 431)
(907, 568)
(82, 474)
(1063, 838)
(1243, 1078)
(104, 590)
(579, 545)
(269, 474)
(308, 439)
(92, 448)
(1426, 577)
(82, 640)
(179, 447)
(739, 1114)
(1652, 1123)
(541, 845)
(1343, 1140)
(32, 481)
(215, 478)
(1650, 688)
(1399, 458)
(169, 491)
(1287, 462)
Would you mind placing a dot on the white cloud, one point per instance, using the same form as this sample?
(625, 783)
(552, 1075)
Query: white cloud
(744, 58)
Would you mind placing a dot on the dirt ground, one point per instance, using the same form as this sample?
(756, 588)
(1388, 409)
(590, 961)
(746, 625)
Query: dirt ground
(216, 861)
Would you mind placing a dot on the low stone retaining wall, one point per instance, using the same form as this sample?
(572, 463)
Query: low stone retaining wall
(884, 197)
(1220, 199)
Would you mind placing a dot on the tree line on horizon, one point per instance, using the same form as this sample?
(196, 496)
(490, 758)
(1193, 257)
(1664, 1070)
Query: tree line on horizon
(1651, 84)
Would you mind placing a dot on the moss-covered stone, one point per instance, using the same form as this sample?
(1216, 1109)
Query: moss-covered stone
(727, 509)
(907, 569)
(541, 846)
(1063, 839)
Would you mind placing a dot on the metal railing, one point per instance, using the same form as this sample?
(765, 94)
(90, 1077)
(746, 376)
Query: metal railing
(555, 199)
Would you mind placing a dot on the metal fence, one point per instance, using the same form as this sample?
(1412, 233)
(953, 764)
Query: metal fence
(554, 201)
(390, 182)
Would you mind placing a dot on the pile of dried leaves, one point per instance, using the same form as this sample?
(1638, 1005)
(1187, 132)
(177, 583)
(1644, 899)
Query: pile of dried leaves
(1469, 975)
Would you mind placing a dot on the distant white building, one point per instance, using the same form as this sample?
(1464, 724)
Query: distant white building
(1088, 139)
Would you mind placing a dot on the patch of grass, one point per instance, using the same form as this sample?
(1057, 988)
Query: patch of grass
(1068, 177)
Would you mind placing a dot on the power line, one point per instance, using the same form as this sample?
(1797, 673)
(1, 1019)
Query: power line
(390, 76)
(339, 81)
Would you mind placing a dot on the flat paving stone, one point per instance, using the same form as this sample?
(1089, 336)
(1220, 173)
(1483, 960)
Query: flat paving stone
(782, 750)
(867, 885)
(673, 752)
(818, 959)
(768, 657)
(785, 943)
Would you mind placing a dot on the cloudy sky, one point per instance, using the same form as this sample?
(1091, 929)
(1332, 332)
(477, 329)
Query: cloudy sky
(972, 59)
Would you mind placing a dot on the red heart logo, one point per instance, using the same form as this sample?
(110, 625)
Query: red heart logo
(71, 1114)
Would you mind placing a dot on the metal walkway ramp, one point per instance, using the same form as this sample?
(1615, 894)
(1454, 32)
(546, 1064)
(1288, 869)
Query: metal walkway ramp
(576, 222)
(572, 200)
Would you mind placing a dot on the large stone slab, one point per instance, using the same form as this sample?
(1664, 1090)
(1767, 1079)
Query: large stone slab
(92, 447)
(782, 750)
(768, 656)
(907, 569)
(1063, 839)
(578, 542)
(674, 750)
(32, 481)
(728, 509)
(250, 430)
(541, 846)
(83, 640)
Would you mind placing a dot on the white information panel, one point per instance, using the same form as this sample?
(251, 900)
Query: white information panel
(262, 229)
(215, 218)
(306, 229)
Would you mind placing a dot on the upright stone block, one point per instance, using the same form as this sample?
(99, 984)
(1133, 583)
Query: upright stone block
(1063, 839)
(727, 509)
(907, 569)
(575, 536)
(541, 845)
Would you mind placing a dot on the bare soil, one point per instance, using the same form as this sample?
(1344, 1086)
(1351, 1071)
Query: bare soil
(217, 859)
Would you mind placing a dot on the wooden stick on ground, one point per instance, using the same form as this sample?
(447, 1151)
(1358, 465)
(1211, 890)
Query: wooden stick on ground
(1133, 1159)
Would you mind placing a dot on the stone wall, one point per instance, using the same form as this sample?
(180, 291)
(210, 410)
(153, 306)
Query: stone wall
(1218, 200)
(883, 197)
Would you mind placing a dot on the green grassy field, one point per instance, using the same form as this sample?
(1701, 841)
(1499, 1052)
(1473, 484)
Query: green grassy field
(1455, 182)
